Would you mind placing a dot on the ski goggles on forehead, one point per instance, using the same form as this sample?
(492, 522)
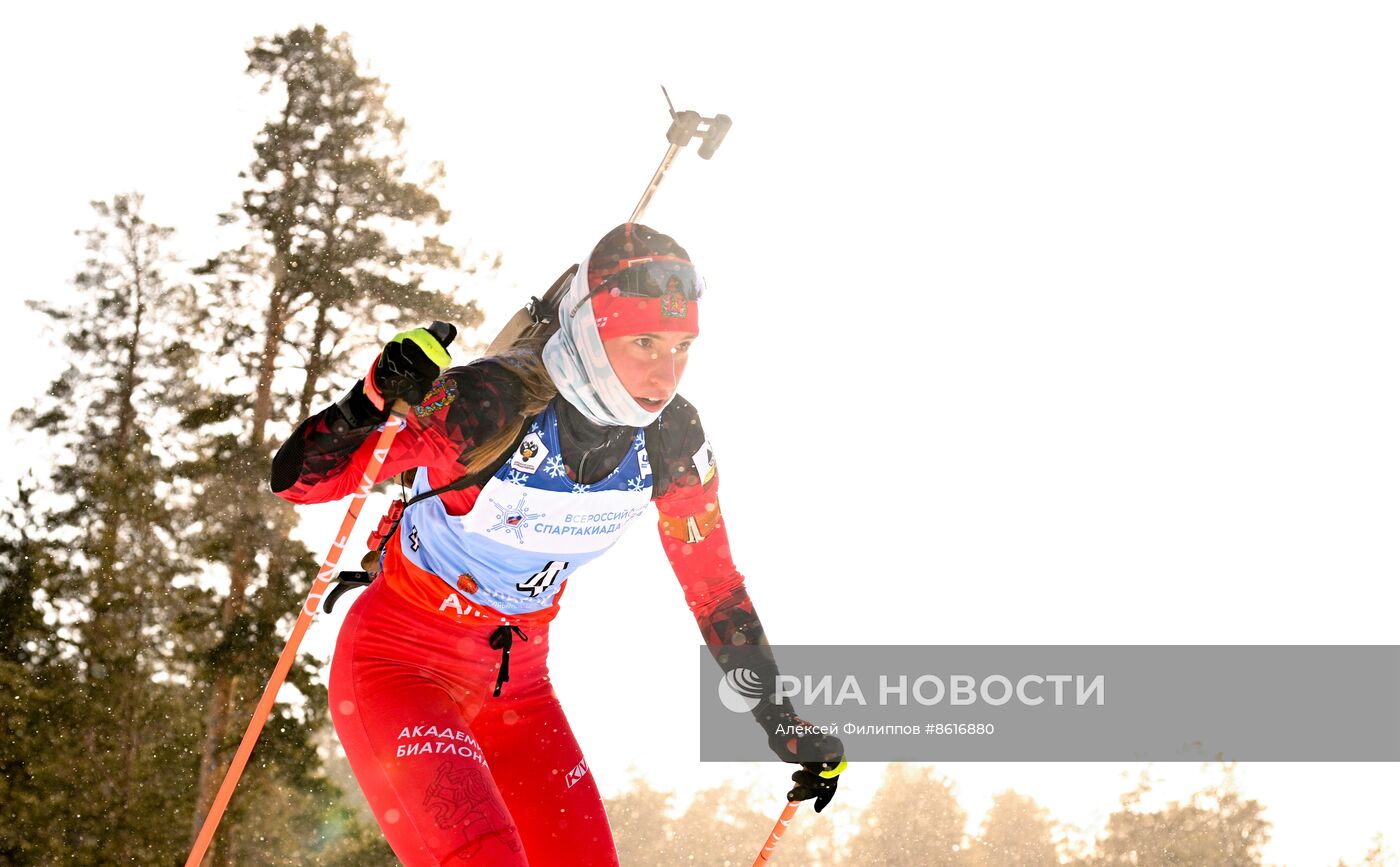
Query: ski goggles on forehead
(650, 278)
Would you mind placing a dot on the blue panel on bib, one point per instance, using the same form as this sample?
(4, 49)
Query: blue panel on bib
(531, 527)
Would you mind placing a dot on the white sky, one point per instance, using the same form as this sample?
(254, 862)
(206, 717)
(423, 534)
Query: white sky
(1029, 323)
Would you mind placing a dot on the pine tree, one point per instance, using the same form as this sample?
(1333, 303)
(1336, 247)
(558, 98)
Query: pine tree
(1216, 827)
(33, 679)
(338, 242)
(913, 819)
(1017, 832)
(25, 561)
(109, 694)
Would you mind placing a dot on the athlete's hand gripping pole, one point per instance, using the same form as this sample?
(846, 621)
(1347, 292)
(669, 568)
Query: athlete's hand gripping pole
(444, 333)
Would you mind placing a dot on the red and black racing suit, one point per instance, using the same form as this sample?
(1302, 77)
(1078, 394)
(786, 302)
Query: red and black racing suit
(454, 774)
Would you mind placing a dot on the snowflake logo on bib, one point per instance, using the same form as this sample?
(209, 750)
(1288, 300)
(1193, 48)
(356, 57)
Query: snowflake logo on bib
(554, 465)
(513, 519)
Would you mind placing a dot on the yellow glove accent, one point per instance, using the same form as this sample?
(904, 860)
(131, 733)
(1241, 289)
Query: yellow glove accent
(428, 343)
(836, 771)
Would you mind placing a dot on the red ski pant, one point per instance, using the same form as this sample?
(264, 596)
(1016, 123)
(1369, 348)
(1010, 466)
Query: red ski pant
(455, 776)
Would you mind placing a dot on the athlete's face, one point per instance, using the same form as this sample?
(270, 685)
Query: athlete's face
(649, 365)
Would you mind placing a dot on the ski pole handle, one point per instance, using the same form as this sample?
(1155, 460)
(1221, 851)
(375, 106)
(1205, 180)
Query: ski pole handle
(777, 834)
(445, 332)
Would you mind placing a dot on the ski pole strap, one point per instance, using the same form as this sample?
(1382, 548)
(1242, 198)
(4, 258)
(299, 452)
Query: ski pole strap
(501, 640)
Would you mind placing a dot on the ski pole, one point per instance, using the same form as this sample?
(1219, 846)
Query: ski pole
(767, 851)
(397, 420)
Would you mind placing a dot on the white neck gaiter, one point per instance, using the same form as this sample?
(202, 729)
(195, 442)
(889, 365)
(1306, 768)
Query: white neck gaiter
(578, 364)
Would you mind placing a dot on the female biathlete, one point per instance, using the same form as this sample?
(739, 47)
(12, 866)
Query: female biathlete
(529, 464)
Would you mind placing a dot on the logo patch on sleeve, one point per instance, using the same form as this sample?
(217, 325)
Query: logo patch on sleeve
(705, 463)
(443, 392)
(529, 454)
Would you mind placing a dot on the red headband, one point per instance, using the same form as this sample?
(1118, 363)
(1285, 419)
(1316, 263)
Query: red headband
(622, 315)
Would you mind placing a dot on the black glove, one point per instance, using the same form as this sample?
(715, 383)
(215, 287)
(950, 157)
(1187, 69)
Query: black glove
(409, 365)
(821, 755)
(405, 370)
(811, 783)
